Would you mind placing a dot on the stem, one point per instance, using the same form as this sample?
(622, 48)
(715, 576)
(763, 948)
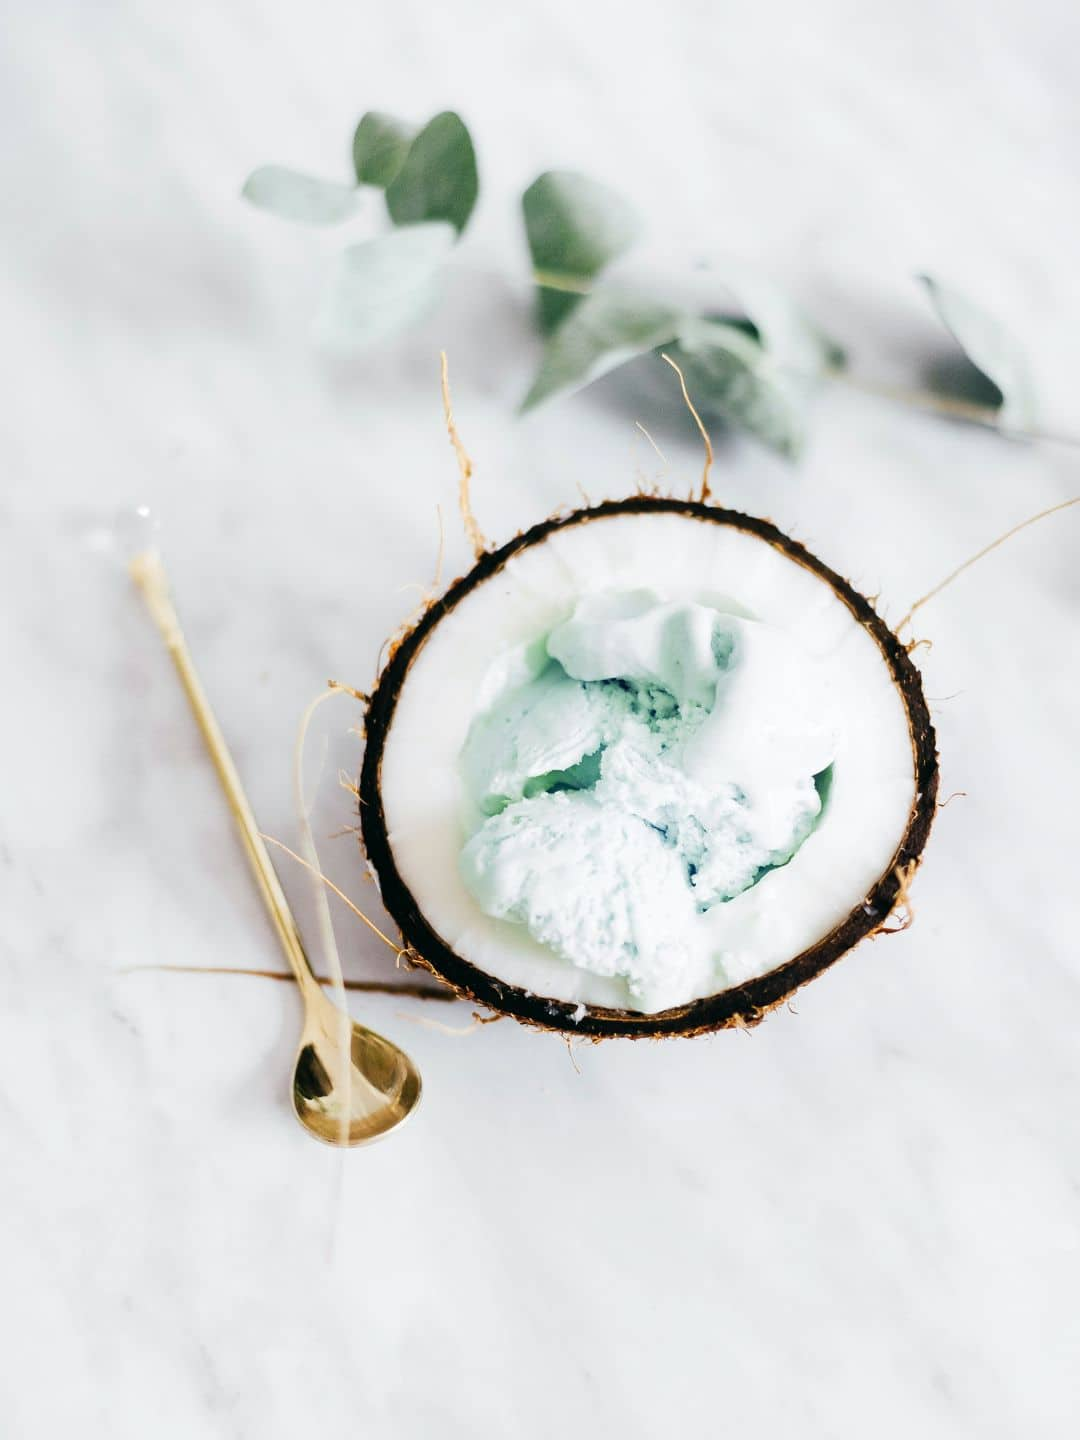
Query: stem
(567, 284)
(952, 408)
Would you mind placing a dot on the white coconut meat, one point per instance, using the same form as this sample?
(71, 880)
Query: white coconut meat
(604, 774)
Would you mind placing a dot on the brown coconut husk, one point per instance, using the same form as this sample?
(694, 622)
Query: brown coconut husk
(742, 1005)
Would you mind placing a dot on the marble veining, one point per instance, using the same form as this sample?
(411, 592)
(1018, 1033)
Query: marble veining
(859, 1220)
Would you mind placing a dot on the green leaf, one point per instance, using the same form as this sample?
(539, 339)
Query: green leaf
(792, 340)
(438, 179)
(606, 330)
(575, 227)
(294, 196)
(990, 348)
(379, 148)
(382, 285)
(730, 375)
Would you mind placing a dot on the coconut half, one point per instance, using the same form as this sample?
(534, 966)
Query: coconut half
(842, 882)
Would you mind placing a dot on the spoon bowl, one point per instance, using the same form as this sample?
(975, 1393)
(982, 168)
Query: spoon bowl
(350, 1085)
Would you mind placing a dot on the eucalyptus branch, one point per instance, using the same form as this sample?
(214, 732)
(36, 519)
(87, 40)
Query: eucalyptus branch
(926, 401)
(738, 367)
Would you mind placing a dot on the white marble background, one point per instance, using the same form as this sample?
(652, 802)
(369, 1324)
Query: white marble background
(860, 1220)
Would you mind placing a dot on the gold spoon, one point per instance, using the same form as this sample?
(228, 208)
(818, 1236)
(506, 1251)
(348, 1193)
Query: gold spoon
(349, 1084)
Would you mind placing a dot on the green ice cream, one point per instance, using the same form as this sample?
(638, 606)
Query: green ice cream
(645, 763)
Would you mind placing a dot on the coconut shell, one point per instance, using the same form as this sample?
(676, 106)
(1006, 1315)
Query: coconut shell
(741, 1005)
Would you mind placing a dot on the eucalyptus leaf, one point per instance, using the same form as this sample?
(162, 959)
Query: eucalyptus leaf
(990, 348)
(379, 148)
(575, 227)
(606, 330)
(791, 338)
(729, 374)
(295, 196)
(385, 284)
(438, 179)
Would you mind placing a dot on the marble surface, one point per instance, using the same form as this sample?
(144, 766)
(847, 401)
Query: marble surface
(860, 1219)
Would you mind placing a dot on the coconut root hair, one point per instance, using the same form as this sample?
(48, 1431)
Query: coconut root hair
(473, 533)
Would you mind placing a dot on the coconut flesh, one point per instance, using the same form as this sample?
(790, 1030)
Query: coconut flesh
(640, 762)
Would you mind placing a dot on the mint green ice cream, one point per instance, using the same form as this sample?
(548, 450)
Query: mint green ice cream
(646, 762)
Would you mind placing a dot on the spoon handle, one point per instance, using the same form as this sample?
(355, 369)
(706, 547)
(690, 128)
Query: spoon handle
(148, 573)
